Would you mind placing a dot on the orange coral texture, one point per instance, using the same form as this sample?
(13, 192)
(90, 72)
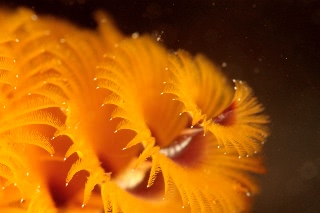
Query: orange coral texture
(93, 121)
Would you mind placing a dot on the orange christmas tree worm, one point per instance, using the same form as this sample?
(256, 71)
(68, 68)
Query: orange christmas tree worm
(94, 121)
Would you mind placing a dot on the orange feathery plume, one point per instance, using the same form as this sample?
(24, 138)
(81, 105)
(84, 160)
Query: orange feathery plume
(94, 121)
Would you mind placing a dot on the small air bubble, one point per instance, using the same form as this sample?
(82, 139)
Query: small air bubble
(34, 17)
(224, 64)
(135, 35)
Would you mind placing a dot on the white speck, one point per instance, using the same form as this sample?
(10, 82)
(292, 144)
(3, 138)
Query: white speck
(64, 159)
(21, 200)
(224, 64)
(17, 40)
(29, 93)
(83, 205)
(27, 173)
(235, 88)
(248, 194)
(161, 93)
(62, 40)
(115, 131)
(67, 184)
(34, 17)
(135, 35)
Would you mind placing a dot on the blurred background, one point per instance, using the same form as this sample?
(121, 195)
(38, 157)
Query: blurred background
(275, 47)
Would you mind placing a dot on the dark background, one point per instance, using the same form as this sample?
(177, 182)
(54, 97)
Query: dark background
(273, 45)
